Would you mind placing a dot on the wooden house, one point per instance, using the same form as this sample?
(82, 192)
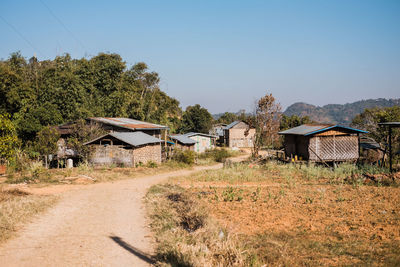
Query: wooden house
(239, 134)
(203, 141)
(183, 142)
(322, 143)
(125, 148)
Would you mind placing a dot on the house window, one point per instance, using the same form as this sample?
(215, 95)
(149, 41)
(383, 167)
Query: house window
(106, 142)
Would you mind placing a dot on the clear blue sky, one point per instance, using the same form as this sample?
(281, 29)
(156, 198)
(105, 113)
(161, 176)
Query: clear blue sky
(225, 54)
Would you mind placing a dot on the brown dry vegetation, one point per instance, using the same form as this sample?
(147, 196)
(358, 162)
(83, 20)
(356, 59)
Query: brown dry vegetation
(86, 173)
(35, 173)
(287, 215)
(18, 207)
(185, 234)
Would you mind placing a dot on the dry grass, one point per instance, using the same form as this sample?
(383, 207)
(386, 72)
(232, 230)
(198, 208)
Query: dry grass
(40, 175)
(18, 207)
(291, 215)
(185, 234)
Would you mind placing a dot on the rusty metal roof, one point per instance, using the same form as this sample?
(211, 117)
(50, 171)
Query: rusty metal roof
(131, 138)
(310, 129)
(128, 123)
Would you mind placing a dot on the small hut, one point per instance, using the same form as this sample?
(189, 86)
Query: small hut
(322, 143)
(125, 148)
(203, 141)
(183, 142)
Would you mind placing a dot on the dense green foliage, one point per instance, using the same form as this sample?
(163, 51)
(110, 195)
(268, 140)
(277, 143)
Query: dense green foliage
(8, 139)
(196, 119)
(338, 114)
(50, 92)
(184, 156)
(369, 119)
(288, 122)
(46, 141)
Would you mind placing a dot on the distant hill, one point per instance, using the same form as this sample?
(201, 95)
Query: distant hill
(336, 113)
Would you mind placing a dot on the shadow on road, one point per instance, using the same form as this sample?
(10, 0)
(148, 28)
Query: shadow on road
(137, 252)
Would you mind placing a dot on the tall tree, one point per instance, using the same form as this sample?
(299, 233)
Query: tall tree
(288, 122)
(8, 139)
(46, 142)
(227, 118)
(267, 120)
(50, 92)
(196, 119)
(369, 119)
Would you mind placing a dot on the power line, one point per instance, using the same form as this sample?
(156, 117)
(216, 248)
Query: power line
(63, 25)
(22, 36)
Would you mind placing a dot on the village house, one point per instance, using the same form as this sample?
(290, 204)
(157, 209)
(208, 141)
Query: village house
(218, 130)
(322, 143)
(203, 141)
(183, 142)
(128, 141)
(125, 148)
(239, 134)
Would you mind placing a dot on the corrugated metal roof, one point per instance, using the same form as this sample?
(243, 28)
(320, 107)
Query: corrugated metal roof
(129, 123)
(309, 129)
(304, 129)
(183, 139)
(203, 134)
(131, 138)
(391, 124)
(369, 143)
(231, 125)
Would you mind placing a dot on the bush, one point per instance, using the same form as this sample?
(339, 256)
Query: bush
(151, 164)
(221, 155)
(187, 156)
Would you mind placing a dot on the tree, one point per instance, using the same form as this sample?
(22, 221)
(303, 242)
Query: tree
(288, 122)
(227, 118)
(369, 119)
(46, 142)
(266, 121)
(196, 119)
(82, 133)
(51, 92)
(8, 139)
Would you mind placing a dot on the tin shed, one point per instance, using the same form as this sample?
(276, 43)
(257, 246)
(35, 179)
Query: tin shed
(323, 142)
(203, 141)
(183, 142)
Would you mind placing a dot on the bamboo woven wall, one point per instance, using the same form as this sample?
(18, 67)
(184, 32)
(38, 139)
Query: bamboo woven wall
(334, 148)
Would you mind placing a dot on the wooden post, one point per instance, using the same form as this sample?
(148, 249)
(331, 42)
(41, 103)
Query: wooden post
(390, 149)
(359, 149)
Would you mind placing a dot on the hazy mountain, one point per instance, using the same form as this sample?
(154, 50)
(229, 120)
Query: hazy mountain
(335, 113)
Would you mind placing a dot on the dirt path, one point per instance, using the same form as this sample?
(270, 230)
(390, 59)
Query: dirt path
(98, 225)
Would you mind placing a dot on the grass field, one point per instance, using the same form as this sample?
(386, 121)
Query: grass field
(18, 207)
(287, 215)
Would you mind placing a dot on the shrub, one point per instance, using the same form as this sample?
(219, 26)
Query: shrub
(151, 164)
(220, 155)
(187, 156)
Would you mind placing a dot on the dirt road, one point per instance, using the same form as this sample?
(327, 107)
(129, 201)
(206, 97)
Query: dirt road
(98, 225)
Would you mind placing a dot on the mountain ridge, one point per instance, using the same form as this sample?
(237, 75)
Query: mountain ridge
(338, 113)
